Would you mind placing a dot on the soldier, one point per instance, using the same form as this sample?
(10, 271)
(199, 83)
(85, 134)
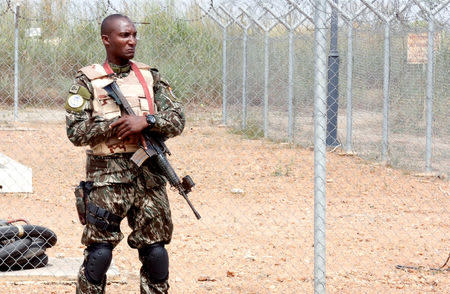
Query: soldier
(115, 187)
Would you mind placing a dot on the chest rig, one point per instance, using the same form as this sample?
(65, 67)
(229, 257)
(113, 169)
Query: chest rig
(106, 107)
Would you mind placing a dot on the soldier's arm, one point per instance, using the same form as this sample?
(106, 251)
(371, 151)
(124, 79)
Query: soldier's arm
(83, 128)
(170, 118)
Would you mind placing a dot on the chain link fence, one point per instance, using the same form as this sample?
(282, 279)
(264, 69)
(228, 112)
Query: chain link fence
(387, 93)
(346, 76)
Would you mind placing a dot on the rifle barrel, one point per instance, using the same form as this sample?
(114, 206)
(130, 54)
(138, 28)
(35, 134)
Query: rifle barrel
(197, 215)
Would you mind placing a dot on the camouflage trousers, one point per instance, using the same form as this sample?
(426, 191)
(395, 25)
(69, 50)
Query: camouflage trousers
(144, 203)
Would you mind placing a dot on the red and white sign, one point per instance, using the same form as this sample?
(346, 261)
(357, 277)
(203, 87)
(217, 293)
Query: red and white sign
(418, 47)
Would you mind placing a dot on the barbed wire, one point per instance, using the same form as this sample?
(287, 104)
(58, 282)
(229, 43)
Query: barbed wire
(112, 7)
(211, 6)
(166, 7)
(116, 10)
(8, 7)
(405, 17)
(102, 12)
(265, 13)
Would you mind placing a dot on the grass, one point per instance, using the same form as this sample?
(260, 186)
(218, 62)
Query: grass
(253, 130)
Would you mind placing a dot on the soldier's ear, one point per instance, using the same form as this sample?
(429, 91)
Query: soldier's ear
(105, 40)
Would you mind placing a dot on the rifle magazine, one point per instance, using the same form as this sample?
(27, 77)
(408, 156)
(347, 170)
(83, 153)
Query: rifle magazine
(139, 157)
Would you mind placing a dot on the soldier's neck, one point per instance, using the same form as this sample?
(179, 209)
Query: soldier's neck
(118, 69)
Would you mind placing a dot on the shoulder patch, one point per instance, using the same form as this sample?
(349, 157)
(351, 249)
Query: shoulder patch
(169, 88)
(168, 92)
(80, 90)
(74, 89)
(75, 103)
(84, 92)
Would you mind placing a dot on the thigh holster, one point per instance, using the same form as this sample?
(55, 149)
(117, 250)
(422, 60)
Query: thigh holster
(81, 196)
(102, 218)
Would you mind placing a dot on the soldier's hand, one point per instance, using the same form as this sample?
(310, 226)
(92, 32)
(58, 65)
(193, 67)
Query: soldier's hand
(128, 125)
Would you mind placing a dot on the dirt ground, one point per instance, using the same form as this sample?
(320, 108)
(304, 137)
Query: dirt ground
(256, 199)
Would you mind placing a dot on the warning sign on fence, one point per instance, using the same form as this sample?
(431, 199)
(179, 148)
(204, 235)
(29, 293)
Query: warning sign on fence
(418, 47)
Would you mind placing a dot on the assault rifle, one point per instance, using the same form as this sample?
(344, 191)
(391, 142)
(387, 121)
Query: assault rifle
(155, 148)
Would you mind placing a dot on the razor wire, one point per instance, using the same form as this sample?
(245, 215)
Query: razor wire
(263, 65)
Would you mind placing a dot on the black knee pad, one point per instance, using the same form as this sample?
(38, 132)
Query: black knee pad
(155, 261)
(97, 262)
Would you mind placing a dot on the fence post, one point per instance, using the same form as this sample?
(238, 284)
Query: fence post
(266, 30)
(291, 28)
(349, 95)
(224, 75)
(387, 57)
(348, 143)
(430, 89)
(430, 78)
(244, 64)
(244, 78)
(224, 27)
(16, 62)
(291, 86)
(333, 82)
(386, 77)
(320, 110)
(266, 84)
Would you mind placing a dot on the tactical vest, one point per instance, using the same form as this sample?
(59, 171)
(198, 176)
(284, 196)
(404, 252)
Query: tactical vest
(105, 106)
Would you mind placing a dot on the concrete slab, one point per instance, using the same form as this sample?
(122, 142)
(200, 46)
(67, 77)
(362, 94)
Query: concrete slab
(14, 176)
(57, 270)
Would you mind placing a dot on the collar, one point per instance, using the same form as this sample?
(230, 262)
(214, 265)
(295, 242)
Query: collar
(118, 69)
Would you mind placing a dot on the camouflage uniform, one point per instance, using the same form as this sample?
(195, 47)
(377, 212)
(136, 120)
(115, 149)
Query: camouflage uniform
(119, 186)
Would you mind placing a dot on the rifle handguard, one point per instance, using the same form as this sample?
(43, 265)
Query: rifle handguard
(167, 170)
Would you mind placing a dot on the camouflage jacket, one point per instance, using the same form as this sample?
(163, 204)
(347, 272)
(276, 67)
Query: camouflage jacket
(85, 129)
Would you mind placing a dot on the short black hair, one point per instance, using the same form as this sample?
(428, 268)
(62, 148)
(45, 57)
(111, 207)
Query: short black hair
(105, 28)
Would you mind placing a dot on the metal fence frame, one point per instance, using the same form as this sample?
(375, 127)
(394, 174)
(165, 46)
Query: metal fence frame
(226, 19)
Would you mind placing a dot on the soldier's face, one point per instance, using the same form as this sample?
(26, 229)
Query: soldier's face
(121, 42)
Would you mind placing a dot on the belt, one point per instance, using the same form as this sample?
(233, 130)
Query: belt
(126, 155)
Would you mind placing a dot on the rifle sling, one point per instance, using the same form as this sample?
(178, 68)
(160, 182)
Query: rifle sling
(141, 79)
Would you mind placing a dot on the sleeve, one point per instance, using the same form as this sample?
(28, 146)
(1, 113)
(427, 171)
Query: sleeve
(170, 118)
(82, 128)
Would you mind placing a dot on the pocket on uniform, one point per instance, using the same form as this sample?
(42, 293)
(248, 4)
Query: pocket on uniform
(95, 164)
(109, 106)
(144, 104)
